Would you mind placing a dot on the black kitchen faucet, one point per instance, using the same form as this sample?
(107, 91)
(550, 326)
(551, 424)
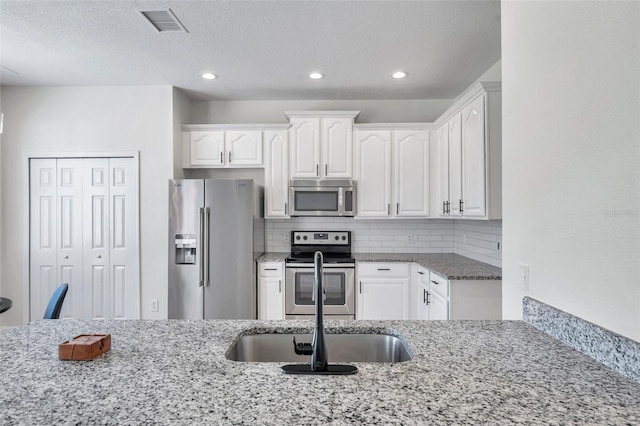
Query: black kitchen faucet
(318, 346)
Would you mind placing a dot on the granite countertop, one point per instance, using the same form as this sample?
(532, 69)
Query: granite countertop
(447, 265)
(175, 372)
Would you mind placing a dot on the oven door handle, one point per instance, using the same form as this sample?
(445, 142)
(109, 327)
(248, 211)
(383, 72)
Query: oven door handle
(325, 266)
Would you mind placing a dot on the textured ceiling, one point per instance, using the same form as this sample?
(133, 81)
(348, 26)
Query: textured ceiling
(260, 49)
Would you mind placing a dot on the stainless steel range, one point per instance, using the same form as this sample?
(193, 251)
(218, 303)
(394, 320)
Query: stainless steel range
(338, 272)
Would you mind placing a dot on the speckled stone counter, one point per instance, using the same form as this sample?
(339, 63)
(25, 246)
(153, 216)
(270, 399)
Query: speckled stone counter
(447, 265)
(272, 257)
(175, 372)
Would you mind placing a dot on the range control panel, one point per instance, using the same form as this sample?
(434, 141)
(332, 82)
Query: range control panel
(328, 238)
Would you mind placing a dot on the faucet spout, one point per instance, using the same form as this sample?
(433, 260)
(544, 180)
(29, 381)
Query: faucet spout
(319, 357)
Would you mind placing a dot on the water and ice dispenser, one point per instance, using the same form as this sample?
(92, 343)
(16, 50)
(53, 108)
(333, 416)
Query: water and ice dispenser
(185, 246)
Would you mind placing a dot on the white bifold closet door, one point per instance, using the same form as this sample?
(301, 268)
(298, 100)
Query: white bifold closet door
(83, 224)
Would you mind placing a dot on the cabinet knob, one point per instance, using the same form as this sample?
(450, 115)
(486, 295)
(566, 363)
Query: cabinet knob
(66, 256)
(99, 256)
(435, 282)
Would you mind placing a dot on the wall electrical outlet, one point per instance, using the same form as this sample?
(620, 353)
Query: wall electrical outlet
(523, 276)
(155, 305)
(285, 237)
(410, 238)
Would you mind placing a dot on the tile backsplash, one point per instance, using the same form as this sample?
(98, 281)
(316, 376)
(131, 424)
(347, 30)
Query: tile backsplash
(474, 239)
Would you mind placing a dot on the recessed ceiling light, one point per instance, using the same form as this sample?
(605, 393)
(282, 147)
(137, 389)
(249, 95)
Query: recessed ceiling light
(400, 74)
(209, 76)
(316, 76)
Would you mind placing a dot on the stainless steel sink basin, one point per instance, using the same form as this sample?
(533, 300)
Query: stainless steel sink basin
(275, 347)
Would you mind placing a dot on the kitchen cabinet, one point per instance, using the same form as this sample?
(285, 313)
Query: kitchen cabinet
(469, 154)
(382, 291)
(271, 290)
(228, 146)
(392, 172)
(428, 304)
(437, 298)
(276, 168)
(321, 144)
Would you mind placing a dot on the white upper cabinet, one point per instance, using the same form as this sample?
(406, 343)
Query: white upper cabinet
(442, 198)
(276, 173)
(411, 172)
(473, 161)
(337, 147)
(373, 173)
(244, 148)
(321, 144)
(392, 172)
(222, 146)
(455, 165)
(474, 158)
(305, 147)
(206, 148)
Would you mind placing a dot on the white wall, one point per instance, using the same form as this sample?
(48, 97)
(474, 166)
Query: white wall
(86, 119)
(571, 158)
(372, 111)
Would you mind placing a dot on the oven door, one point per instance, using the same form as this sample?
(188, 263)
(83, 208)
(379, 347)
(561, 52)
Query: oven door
(339, 288)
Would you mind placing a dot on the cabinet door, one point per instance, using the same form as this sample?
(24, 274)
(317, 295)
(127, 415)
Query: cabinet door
(206, 148)
(455, 165)
(438, 307)
(244, 148)
(443, 171)
(473, 159)
(383, 299)
(270, 298)
(373, 173)
(337, 147)
(305, 147)
(411, 173)
(420, 303)
(97, 280)
(276, 174)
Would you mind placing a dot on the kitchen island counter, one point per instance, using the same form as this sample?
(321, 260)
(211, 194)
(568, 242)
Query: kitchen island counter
(175, 372)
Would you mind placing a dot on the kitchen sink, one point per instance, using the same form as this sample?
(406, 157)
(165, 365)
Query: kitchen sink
(278, 347)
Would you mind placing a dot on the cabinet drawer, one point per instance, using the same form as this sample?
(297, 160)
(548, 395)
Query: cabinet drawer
(439, 285)
(383, 269)
(423, 275)
(270, 269)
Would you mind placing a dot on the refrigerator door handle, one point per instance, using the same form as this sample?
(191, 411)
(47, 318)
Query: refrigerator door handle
(201, 236)
(205, 246)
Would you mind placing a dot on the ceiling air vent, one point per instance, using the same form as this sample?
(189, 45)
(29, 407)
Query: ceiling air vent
(164, 21)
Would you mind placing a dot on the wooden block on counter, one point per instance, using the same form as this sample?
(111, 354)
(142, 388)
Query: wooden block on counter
(84, 347)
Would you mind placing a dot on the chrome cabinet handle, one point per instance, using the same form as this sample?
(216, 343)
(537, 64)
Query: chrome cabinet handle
(360, 287)
(424, 296)
(286, 208)
(317, 170)
(397, 208)
(270, 269)
(66, 256)
(421, 273)
(389, 209)
(444, 207)
(229, 156)
(448, 207)
(326, 169)
(435, 282)
(461, 209)
(99, 256)
(428, 298)
(221, 158)
(279, 286)
(384, 269)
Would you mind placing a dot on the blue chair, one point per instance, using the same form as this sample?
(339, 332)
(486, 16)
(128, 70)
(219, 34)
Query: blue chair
(55, 304)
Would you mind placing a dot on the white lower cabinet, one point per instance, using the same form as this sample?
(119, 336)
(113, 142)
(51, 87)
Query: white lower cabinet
(382, 291)
(437, 298)
(271, 291)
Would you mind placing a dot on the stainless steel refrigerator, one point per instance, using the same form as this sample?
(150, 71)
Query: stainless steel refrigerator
(216, 232)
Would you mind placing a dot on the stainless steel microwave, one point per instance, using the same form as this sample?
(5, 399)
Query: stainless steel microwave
(327, 197)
